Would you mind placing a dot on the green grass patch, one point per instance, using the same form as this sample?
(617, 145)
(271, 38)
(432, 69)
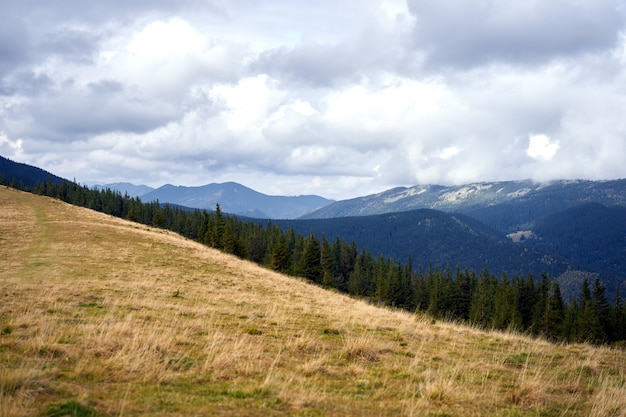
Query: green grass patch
(71, 409)
(518, 360)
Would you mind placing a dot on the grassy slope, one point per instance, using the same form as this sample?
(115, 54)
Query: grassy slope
(114, 318)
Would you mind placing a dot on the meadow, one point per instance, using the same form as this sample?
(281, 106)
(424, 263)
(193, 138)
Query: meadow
(105, 317)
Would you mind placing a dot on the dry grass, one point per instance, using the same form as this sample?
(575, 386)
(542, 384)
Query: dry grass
(117, 319)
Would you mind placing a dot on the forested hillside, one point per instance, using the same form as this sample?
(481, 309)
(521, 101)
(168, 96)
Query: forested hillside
(23, 175)
(484, 298)
(591, 237)
(433, 238)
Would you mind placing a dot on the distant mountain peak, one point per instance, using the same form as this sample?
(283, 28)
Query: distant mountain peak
(238, 199)
(489, 202)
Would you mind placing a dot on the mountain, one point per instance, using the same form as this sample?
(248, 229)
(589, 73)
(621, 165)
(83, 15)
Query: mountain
(24, 174)
(570, 219)
(590, 237)
(126, 188)
(237, 199)
(161, 325)
(506, 206)
(432, 237)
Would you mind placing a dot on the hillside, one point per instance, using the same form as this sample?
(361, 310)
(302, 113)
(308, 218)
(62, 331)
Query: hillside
(590, 236)
(24, 174)
(99, 316)
(432, 237)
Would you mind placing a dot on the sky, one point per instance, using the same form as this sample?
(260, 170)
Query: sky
(338, 98)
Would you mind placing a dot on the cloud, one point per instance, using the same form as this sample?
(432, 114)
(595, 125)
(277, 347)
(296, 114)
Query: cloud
(460, 34)
(366, 44)
(541, 147)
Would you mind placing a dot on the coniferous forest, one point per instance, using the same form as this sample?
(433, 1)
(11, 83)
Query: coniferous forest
(528, 304)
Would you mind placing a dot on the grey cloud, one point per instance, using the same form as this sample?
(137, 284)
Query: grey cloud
(324, 65)
(70, 44)
(15, 42)
(366, 49)
(317, 65)
(76, 116)
(106, 87)
(48, 12)
(26, 83)
(460, 33)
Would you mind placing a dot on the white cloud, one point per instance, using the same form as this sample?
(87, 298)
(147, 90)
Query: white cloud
(12, 148)
(541, 147)
(448, 152)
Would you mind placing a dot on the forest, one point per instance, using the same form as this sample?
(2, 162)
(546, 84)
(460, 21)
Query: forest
(523, 303)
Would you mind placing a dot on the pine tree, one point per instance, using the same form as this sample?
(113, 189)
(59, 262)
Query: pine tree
(158, 219)
(589, 326)
(553, 314)
(310, 263)
(218, 228)
(381, 273)
(228, 239)
(527, 298)
(602, 306)
(462, 294)
(482, 305)
(281, 258)
(505, 313)
(361, 278)
(328, 264)
(618, 320)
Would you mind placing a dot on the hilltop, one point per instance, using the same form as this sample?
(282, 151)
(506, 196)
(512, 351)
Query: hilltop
(101, 316)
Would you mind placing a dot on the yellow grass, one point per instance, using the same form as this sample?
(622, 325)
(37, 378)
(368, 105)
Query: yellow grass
(118, 319)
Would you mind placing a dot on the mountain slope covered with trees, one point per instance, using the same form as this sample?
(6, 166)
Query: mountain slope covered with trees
(431, 237)
(24, 175)
(591, 237)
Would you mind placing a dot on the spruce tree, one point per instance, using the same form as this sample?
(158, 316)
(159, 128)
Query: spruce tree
(280, 258)
(310, 262)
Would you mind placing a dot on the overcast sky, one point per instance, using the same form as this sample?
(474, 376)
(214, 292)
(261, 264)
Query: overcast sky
(338, 98)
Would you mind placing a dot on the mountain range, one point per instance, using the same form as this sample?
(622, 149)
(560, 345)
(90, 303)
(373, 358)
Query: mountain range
(232, 197)
(507, 206)
(568, 229)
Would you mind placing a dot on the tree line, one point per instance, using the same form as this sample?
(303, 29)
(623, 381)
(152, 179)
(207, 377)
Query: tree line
(528, 304)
